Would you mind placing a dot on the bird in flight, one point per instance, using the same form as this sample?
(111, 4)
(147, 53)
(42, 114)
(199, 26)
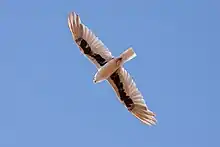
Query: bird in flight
(111, 68)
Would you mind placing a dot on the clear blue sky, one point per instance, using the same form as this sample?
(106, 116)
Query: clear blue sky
(47, 95)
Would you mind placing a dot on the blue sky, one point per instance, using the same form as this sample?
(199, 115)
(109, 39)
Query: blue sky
(47, 95)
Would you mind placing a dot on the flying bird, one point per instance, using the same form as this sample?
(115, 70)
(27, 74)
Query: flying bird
(111, 68)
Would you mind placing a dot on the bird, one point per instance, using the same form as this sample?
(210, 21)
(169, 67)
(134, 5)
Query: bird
(110, 68)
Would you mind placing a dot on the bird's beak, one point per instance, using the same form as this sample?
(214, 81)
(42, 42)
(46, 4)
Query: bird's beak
(94, 80)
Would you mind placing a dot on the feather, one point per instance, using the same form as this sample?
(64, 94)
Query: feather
(89, 44)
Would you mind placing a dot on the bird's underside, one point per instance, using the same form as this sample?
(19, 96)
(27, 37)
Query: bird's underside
(121, 81)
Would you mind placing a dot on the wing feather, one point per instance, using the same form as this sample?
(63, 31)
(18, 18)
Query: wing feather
(138, 107)
(90, 45)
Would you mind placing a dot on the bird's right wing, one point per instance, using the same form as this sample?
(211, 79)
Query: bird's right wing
(129, 95)
(89, 44)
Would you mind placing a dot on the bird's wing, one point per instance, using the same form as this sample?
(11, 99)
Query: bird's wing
(130, 96)
(89, 44)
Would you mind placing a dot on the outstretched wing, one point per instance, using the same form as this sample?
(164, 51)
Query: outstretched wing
(89, 44)
(130, 96)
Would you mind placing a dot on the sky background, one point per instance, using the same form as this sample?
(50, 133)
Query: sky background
(47, 95)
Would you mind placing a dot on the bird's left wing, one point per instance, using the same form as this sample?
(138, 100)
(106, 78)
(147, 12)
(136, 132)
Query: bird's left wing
(89, 44)
(130, 96)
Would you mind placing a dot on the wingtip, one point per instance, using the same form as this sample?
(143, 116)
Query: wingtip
(73, 14)
(74, 24)
(145, 116)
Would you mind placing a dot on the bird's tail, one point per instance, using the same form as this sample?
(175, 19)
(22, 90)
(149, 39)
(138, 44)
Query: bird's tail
(128, 55)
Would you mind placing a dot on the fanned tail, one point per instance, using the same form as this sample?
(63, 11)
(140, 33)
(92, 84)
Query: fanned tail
(128, 55)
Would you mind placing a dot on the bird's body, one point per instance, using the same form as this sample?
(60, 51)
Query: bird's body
(106, 71)
(111, 68)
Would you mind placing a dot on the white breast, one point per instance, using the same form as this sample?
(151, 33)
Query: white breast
(107, 70)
